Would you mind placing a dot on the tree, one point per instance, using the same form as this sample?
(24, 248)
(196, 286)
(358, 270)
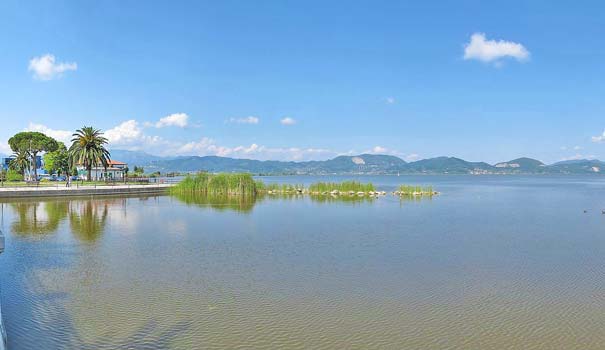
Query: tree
(88, 149)
(20, 163)
(126, 170)
(32, 142)
(57, 161)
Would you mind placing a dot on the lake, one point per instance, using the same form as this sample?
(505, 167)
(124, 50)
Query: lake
(494, 262)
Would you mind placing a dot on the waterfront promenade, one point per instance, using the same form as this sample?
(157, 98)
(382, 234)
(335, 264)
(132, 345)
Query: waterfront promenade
(85, 190)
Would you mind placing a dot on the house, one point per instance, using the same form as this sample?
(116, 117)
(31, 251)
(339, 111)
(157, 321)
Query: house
(115, 171)
(6, 162)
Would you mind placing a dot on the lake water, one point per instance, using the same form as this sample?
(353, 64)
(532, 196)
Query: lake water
(494, 262)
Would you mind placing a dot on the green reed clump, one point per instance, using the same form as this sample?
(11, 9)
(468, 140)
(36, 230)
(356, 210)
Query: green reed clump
(406, 190)
(218, 184)
(345, 186)
(288, 188)
(261, 186)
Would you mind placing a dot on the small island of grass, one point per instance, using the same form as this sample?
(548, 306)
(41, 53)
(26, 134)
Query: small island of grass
(243, 184)
(414, 191)
(218, 184)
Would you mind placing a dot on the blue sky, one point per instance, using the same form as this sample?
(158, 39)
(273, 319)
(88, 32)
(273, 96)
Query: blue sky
(304, 80)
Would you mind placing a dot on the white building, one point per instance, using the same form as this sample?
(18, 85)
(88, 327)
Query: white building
(115, 171)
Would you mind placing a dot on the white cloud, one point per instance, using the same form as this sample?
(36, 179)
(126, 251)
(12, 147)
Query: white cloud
(575, 148)
(479, 48)
(379, 149)
(412, 157)
(287, 121)
(4, 148)
(599, 138)
(247, 120)
(578, 156)
(126, 132)
(45, 67)
(180, 120)
(390, 100)
(207, 146)
(130, 136)
(59, 135)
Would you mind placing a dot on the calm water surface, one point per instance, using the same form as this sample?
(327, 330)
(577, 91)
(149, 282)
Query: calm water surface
(492, 263)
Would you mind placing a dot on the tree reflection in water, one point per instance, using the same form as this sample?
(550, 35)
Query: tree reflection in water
(38, 218)
(87, 217)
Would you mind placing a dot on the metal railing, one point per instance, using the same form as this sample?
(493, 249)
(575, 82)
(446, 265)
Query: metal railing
(138, 181)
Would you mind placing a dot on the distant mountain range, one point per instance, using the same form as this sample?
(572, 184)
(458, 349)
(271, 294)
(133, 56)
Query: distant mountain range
(370, 164)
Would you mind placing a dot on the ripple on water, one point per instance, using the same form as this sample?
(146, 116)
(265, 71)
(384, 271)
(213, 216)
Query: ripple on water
(159, 274)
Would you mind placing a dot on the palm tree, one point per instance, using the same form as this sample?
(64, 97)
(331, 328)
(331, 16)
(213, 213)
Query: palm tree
(88, 149)
(21, 162)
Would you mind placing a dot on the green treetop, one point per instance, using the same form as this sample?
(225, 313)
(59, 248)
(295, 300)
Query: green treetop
(57, 161)
(88, 149)
(32, 142)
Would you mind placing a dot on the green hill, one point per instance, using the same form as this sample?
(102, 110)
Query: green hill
(523, 165)
(448, 165)
(368, 164)
(582, 166)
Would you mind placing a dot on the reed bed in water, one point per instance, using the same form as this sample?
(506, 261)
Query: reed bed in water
(406, 190)
(217, 184)
(278, 188)
(341, 187)
(242, 184)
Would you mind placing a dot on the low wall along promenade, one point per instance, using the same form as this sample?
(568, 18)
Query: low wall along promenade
(48, 191)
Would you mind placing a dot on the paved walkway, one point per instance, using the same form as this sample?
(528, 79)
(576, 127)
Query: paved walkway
(75, 190)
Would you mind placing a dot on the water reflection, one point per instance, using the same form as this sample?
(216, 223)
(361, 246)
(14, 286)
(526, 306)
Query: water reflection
(87, 219)
(38, 217)
(403, 200)
(341, 198)
(242, 204)
(245, 204)
(485, 266)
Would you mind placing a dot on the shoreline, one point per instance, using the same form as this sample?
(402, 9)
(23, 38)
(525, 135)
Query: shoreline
(29, 192)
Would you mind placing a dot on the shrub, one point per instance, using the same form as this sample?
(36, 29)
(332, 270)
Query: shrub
(13, 175)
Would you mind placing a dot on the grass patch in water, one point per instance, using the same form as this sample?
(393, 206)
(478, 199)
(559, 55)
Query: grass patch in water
(345, 186)
(278, 188)
(406, 190)
(243, 184)
(217, 184)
